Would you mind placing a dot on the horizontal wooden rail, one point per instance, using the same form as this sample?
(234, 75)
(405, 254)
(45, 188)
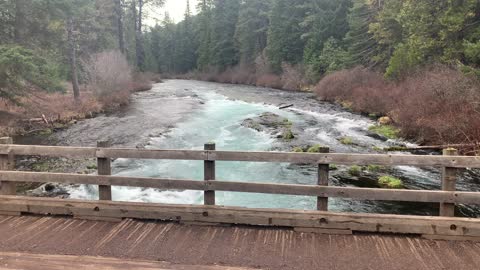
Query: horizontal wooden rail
(209, 155)
(461, 228)
(266, 188)
(448, 198)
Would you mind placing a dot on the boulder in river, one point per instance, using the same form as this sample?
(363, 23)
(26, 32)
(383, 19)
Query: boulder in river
(50, 190)
(268, 122)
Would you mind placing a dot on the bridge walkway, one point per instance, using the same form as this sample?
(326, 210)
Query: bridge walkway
(33, 242)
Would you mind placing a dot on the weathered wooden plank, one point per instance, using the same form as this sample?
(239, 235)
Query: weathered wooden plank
(102, 180)
(449, 182)
(152, 154)
(7, 162)
(348, 159)
(209, 175)
(104, 167)
(322, 180)
(29, 261)
(451, 237)
(10, 213)
(283, 189)
(349, 192)
(92, 152)
(313, 158)
(98, 218)
(452, 226)
(322, 231)
(50, 151)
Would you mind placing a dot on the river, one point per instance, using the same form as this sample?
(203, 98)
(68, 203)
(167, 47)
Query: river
(180, 114)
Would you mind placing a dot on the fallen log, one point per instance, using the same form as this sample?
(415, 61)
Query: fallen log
(285, 106)
(431, 147)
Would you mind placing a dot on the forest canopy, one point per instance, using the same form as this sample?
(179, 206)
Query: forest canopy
(310, 37)
(391, 36)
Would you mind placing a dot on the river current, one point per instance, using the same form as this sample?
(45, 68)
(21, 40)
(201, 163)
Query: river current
(180, 114)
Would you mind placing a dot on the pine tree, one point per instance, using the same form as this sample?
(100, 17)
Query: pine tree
(204, 35)
(251, 32)
(185, 43)
(325, 19)
(284, 42)
(361, 43)
(224, 19)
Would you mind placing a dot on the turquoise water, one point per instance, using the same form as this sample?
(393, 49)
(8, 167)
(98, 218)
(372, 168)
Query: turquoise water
(218, 121)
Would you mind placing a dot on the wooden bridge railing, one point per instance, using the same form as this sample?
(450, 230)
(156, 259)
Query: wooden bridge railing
(447, 198)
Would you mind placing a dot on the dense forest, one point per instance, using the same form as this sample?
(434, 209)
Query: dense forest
(417, 62)
(69, 59)
(319, 36)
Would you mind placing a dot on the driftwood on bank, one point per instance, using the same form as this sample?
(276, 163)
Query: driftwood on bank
(285, 106)
(438, 147)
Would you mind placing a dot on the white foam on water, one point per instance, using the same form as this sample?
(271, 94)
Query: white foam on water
(218, 121)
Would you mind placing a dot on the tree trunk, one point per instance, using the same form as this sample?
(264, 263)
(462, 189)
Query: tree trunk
(120, 30)
(138, 38)
(73, 58)
(19, 21)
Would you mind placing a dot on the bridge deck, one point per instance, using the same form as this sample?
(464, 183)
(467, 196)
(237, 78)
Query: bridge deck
(226, 247)
(29, 261)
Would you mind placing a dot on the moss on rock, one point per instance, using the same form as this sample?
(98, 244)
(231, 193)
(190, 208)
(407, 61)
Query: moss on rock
(317, 148)
(376, 168)
(346, 141)
(288, 134)
(355, 170)
(390, 182)
(388, 131)
(298, 150)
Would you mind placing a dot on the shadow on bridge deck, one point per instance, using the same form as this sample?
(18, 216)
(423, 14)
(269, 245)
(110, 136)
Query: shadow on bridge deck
(252, 247)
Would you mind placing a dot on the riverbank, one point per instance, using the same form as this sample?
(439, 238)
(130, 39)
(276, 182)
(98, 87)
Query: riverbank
(132, 125)
(42, 113)
(181, 114)
(436, 105)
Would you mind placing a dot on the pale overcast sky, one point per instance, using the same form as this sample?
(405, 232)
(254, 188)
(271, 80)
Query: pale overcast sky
(176, 9)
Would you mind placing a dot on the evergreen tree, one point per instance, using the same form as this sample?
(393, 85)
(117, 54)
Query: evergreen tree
(185, 43)
(284, 42)
(251, 32)
(204, 35)
(224, 20)
(325, 19)
(362, 46)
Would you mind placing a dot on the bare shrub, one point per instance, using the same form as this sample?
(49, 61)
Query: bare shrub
(365, 89)
(243, 75)
(225, 76)
(141, 82)
(261, 65)
(108, 72)
(110, 77)
(60, 107)
(155, 77)
(292, 77)
(269, 80)
(439, 105)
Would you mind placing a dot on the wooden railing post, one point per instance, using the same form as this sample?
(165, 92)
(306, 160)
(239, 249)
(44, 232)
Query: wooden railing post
(449, 181)
(323, 170)
(209, 174)
(104, 167)
(7, 163)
